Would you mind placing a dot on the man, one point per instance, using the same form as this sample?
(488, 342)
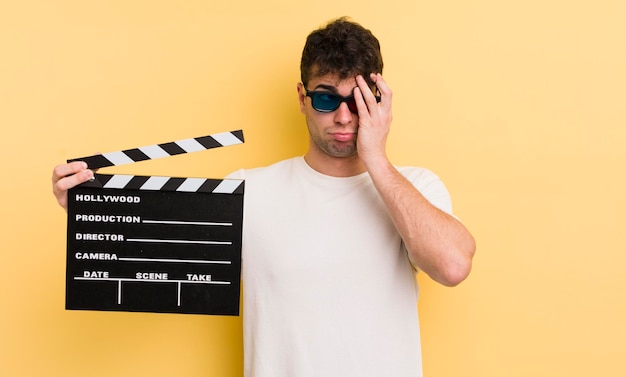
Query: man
(332, 240)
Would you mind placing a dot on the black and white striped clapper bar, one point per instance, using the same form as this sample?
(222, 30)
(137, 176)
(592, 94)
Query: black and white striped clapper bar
(155, 244)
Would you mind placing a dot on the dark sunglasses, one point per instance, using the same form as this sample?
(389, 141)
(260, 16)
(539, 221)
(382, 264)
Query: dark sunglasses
(326, 102)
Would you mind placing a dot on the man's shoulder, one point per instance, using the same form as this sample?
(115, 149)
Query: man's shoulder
(280, 167)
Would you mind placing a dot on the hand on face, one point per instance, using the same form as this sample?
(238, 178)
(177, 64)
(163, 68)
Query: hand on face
(374, 118)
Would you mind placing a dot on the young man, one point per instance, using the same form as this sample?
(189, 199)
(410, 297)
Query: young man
(332, 240)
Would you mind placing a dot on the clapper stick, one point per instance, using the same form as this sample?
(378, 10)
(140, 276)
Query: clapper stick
(155, 151)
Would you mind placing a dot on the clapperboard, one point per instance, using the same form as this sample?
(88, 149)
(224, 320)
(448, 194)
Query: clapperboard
(155, 244)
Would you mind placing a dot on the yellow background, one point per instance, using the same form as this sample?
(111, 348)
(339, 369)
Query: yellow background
(518, 105)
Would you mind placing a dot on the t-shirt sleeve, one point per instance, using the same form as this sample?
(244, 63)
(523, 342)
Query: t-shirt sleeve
(429, 185)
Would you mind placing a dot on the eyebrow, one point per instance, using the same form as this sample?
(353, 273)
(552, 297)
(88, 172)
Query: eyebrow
(326, 87)
(333, 89)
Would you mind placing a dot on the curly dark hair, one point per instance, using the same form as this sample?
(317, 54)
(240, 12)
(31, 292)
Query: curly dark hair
(342, 47)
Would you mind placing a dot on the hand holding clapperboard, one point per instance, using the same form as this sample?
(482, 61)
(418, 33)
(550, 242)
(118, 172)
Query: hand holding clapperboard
(155, 244)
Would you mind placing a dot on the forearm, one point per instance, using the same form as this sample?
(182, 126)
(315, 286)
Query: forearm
(437, 243)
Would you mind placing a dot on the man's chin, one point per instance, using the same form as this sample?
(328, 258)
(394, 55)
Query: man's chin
(342, 151)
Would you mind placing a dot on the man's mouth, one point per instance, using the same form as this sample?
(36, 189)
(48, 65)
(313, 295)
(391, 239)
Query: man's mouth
(343, 136)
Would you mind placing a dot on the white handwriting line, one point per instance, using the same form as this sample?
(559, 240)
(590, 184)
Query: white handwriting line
(153, 280)
(179, 241)
(175, 260)
(170, 222)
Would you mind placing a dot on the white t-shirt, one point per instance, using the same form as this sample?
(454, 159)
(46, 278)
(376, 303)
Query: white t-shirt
(328, 287)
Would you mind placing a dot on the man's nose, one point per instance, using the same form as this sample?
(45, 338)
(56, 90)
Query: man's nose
(343, 115)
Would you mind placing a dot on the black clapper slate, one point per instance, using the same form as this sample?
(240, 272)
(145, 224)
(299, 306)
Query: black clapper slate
(155, 244)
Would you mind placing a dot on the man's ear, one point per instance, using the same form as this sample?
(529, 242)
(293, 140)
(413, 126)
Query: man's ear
(301, 97)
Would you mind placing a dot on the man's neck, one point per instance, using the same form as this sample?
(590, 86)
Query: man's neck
(334, 166)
